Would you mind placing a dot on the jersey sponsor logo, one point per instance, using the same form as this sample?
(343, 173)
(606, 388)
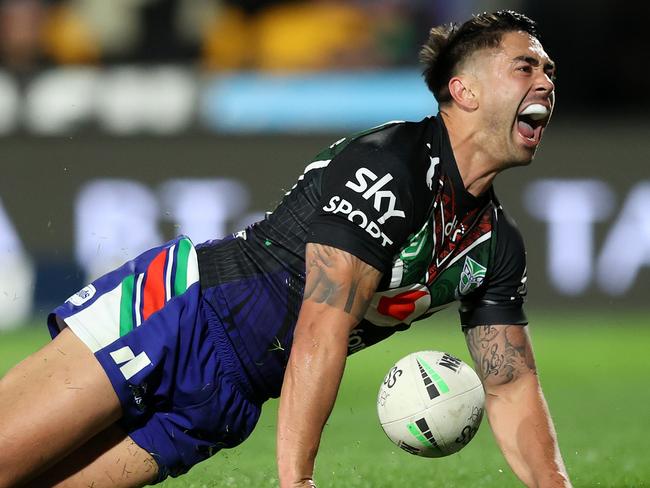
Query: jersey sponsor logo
(453, 226)
(355, 341)
(130, 363)
(82, 296)
(471, 277)
(383, 200)
(453, 238)
(338, 205)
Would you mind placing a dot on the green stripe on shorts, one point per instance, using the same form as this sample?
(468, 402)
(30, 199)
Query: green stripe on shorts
(126, 306)
(180, 278)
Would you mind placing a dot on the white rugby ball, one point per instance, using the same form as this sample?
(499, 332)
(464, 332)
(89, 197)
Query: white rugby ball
(431, 404)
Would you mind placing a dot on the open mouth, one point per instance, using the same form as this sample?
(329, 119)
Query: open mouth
(531, 122)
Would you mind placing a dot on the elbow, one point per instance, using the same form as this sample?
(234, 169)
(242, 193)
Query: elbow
(510, 385)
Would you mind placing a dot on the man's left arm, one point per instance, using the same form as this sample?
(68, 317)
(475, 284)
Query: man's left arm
(515, 405)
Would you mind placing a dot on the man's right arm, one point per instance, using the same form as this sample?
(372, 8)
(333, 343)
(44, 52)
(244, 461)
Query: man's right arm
(338, 289)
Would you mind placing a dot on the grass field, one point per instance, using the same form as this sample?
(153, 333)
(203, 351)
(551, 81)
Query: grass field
(595, 369)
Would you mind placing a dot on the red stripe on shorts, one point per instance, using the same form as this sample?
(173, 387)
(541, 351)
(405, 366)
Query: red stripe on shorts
(153, 295)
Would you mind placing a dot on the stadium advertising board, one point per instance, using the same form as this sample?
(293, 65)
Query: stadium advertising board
(72, 208)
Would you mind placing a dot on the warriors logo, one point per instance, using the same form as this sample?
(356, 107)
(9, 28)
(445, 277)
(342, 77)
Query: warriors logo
(471, 277)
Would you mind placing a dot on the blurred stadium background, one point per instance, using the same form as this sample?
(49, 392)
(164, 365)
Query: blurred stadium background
(119, 118)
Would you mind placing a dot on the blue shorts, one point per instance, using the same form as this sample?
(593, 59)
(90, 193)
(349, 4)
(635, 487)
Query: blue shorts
(147, 326)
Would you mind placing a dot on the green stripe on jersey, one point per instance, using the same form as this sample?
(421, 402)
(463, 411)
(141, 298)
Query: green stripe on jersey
(126, 306)
(180, 278)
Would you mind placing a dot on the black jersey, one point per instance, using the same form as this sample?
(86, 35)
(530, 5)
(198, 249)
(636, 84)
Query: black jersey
(393, 197)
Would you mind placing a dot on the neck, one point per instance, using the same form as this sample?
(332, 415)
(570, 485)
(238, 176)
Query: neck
(476, 166)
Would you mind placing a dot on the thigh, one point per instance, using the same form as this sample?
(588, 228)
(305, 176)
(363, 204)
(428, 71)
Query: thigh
(50, 403)
(186, 435)
(140, 320)
(110, 459)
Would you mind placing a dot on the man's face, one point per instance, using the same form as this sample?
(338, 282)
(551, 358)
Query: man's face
(516, 96)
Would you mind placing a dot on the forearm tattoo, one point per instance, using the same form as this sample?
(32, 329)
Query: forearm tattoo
(339, 279)
(500, 352)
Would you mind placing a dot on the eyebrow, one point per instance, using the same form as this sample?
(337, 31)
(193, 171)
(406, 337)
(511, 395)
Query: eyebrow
(534, 61)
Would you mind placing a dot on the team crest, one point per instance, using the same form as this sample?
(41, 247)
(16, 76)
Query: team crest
(471, 277)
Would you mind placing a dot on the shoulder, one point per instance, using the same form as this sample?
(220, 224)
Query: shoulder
(373, 192)
(399, 139)
(508, 264)
(387, 166)
(506, 228)
(509, 240)
(396, 150)
(501, 297)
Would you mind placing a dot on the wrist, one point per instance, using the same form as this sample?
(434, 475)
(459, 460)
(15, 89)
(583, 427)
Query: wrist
(295, 476)
(295, 471)
(304, 484)
(296, 482)
(556, 479)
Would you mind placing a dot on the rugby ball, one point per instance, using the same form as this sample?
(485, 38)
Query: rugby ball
(431, 404)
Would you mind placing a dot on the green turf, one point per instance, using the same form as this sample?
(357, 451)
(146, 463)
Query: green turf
(595, 369)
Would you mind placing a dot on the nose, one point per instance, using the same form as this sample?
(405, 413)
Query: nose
(544, 83)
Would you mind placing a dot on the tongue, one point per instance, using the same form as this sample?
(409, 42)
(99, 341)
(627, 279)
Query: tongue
(525, 129)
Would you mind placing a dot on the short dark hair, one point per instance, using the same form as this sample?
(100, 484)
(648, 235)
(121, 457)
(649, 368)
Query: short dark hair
(450, 44)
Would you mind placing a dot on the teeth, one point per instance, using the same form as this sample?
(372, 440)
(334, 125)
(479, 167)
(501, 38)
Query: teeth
(535, 111)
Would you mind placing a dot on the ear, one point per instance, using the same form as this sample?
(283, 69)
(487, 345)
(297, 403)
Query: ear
(460, 90)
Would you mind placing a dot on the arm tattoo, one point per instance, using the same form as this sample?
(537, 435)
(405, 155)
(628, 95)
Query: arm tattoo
(501, 352)
(339, 279)
(352, 294)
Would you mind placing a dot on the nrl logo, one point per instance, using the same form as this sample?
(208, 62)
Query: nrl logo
(471, 277)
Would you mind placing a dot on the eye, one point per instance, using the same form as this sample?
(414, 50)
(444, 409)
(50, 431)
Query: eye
(525, 68)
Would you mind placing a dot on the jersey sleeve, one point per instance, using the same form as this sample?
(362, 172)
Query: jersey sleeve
(501, 298)
(366, 204)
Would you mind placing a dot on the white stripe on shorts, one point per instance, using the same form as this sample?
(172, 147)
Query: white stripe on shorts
(192, 267)
(138, 299)
(99, 324)
(168, 273)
